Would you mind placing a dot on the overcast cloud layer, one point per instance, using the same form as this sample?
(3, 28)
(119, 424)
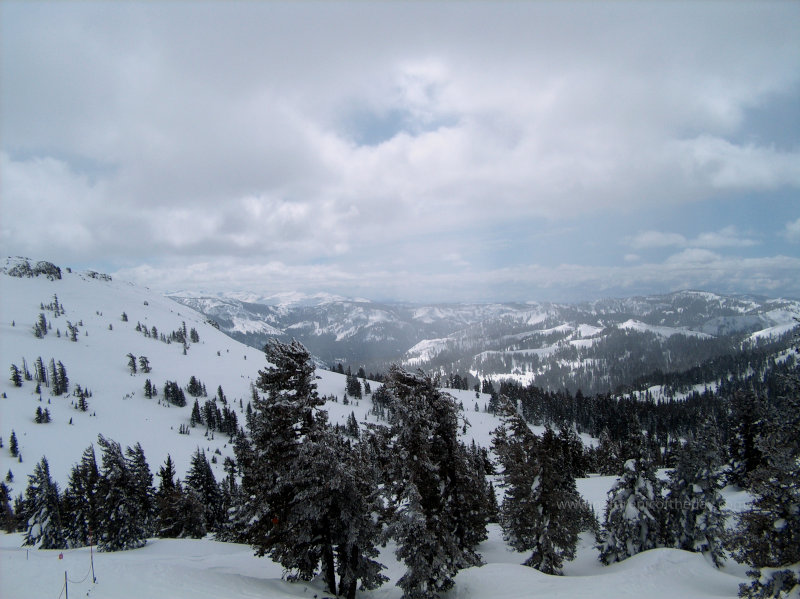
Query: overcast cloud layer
(414, 151)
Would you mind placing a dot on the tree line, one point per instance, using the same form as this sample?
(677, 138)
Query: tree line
(318, 500)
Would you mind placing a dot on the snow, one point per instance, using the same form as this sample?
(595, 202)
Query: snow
(198, 569)
(205, 568)
(587, 330)
(425, 350)
(774, 331)
(635, 325)
(98, 362)
(248, 325)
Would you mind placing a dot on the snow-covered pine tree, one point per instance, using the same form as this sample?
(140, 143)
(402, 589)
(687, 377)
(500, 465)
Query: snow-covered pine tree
(195, 418)
(608, 454)
(573, 450)
(356, 532)
(16, 376)
(542, 510)
(167, 499)
(352, 384)
(299, 482)
(351, 429)
(44, 528)
(143, 492)
(193, 512)
(279, 424)
(339, 487)
(200, 479)
(13, 446)
(419, 549)
(81, 500)
(747, 412)
(122, 524)
(515, 445)
(230, 529)
(8, 520)
(132, 363)
(694, 518)
(633, 520)
(436, 533)
(178, 514)
(768, 532)
(144, 364)
(39, 371)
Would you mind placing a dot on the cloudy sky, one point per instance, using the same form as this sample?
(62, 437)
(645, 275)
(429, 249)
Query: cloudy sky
(461, 151)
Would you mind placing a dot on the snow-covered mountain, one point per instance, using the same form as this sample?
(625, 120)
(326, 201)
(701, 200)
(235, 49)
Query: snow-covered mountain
(93, 324)
(93, 304)
(555, 345)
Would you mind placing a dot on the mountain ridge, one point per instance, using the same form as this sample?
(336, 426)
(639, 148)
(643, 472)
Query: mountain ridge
(521, 341)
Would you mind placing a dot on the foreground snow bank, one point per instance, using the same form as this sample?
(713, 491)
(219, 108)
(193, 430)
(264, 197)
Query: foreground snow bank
(654, 574)
(200, 569)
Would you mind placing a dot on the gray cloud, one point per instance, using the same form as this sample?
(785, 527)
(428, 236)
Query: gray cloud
(166, 136)
(725, 237)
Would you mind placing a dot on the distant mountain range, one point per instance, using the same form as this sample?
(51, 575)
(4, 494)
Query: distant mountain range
(595, 346)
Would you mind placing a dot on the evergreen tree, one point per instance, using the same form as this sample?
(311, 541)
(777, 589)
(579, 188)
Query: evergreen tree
(280, 422)
(122, 524)
(179, 513)
(52, 376)
(768, 532)
(352, 426)
(142, 491)
(132, 363)
(494, 508)
(435, 530)
(174, 394)
(352, 384)
(169, 522)
(40, 328)
(44, 528)
(608, 455)
(167, 499)
(694, 517)
(16, 376)
(303, 506)
(200, 479)
(193, 512)
(13, 446)
(196, 418)
(8, 520)
(194, 388)
(39, 372)
(632, 521)
(72, 330)
(60, 379)
(144, 364)
(81, 500)
(541, 511)
(747, 412)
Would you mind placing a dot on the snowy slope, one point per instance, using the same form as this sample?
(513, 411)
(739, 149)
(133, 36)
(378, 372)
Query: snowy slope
(98, 361)
(204, 568)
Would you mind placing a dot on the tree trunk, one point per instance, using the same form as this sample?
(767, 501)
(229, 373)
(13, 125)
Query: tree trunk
(329, 568)
(350, 591)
